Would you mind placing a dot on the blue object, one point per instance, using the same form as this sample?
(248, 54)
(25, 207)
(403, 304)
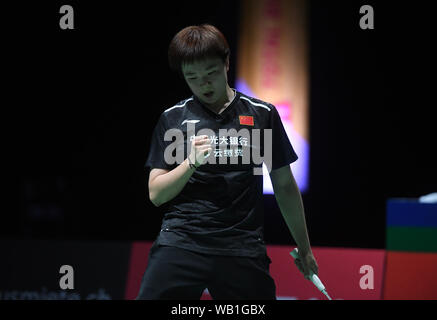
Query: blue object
(404, 212)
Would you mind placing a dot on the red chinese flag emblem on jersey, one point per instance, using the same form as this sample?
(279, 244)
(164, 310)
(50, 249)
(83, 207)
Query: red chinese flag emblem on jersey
(246, 120)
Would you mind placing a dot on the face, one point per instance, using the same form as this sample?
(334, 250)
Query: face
(207, 79)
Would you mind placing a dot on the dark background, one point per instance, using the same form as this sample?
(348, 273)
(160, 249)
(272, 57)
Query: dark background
(80, 106)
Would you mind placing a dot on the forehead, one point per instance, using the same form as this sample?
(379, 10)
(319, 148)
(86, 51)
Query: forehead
(200, 65)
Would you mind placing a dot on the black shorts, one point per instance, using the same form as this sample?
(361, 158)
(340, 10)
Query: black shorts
(179, 274)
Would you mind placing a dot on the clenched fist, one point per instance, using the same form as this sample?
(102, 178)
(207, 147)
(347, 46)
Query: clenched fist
(307, 265)
(200, 150)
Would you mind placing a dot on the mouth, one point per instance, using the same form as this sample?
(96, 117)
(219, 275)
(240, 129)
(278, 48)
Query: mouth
(208, 94)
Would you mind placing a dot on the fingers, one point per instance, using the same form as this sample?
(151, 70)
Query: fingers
(200, 137)
(200, 140)
(204, 148)
(307, 273)
(306, 270)
(200, 149)
(315, 269)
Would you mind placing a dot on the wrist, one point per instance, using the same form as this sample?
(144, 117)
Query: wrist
(304, 254)
(304, 251)
(191, 165)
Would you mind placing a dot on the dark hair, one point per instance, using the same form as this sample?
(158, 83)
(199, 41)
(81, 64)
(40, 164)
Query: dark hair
(196, 43)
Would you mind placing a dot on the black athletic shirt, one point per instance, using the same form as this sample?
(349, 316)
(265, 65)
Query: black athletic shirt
(220, 209)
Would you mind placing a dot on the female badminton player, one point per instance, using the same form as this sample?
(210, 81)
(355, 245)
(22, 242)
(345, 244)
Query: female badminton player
(212, 229)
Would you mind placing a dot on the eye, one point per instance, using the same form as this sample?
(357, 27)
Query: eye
(212, 72)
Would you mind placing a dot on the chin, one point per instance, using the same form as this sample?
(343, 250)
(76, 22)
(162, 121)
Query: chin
(209, 101)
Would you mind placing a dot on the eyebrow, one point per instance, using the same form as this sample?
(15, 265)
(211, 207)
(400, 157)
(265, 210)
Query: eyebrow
(207, 68)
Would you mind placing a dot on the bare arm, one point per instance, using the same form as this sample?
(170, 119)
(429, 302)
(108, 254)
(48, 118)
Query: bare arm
(164, 185)
(290, 203)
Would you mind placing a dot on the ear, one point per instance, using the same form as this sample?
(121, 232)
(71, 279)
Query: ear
(227, 63)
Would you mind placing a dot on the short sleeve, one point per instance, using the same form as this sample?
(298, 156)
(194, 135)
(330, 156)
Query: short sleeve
(282, 150)
(155, 158)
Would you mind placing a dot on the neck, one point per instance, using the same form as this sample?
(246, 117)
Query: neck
(230, 94)
(222, 104)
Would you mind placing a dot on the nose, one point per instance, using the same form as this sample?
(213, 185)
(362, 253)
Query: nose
(205, 81)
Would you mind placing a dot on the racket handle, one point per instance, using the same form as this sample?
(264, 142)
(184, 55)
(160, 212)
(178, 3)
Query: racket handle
(294, 253)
